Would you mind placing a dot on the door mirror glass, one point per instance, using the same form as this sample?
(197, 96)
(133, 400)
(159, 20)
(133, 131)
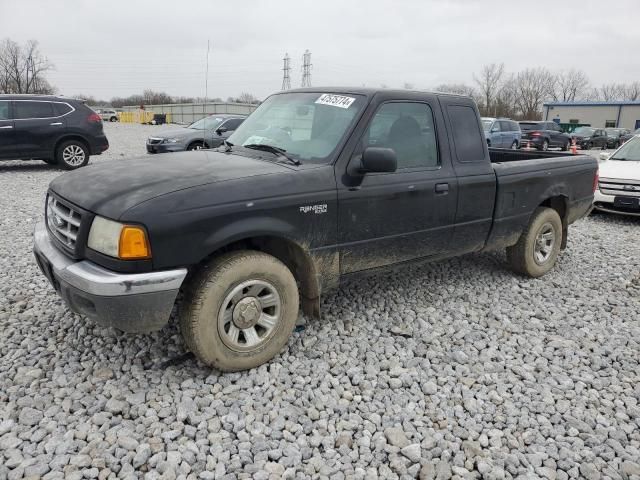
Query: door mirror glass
(377, 159)
(495, 129)
(604, 156)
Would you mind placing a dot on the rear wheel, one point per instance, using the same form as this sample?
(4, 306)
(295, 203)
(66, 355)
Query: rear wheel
(539, 245)
(514, 145)
(545, 145)
(566, 145)
(113, 119)
(589, 146)
(240, 310)
(72, 154)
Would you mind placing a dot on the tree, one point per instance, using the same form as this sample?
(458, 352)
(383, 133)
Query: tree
(570, 86)
(489, 81)
(532, 86)
(612, 91)
(632, 92)
(23, 68)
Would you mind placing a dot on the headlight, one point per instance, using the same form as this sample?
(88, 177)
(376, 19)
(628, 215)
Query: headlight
(171, 140)
(126, 242)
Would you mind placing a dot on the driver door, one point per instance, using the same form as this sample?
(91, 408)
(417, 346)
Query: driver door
(387, 218)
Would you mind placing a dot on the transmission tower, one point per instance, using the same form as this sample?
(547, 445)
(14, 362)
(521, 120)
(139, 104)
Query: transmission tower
(306, 69)
(286, 69)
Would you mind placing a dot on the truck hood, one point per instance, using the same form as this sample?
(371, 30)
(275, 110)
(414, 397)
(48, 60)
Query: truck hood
(620, 170)
(110, 188)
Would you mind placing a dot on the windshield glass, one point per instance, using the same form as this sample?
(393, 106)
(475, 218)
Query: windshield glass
(486, 123)
(530, 126)
(308, 126)
(206, 123)
(630, 151)
(584, 131)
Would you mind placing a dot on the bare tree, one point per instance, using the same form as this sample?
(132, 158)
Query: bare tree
(489, 81)
(23, 68)
(246, 97)
(570, 86)
(611, 92)
(632, 92)
(532, 86)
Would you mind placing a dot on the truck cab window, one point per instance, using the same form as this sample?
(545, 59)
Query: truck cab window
(408, 129)
(4, 110)
(466, 133)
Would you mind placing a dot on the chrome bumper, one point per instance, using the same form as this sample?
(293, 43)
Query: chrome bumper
(132, 302)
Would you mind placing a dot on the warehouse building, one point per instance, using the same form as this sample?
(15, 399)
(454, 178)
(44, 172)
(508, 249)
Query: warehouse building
(594, 114)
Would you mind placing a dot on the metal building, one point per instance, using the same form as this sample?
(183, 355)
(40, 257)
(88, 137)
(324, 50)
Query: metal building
(594, 114)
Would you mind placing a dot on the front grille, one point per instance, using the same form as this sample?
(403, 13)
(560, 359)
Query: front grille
(63, 222)
(154, 141)
(617, 187)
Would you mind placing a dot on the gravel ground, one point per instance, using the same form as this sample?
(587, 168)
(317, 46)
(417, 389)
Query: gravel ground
(457, 369)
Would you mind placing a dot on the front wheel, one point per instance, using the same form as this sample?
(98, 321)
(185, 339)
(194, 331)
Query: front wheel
(545, 145)
(514, 145)
(72, 154)
(240, 310)
(197, 146)
(566, 146)
(113, 119)
(539, 245)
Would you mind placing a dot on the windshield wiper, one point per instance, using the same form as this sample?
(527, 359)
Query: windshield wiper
(280, 152)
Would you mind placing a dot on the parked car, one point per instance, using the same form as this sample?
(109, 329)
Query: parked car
(543, 135)
(628, 136)
(588, 137)
(208, 132)
(316, 186)
(107, 115)
(619, 185)
(58, 130)
(501, 132)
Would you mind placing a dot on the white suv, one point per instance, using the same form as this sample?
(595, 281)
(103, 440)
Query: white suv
(107, 115)
(619, 186)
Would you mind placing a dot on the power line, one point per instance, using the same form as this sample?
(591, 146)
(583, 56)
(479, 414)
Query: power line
(306, 69)
(286, 78)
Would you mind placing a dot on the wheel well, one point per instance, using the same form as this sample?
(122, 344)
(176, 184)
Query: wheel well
(294, 257)
(559, 204)
(66, 139)
(196, 142)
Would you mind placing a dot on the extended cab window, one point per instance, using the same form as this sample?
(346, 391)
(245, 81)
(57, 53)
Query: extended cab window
(408, 129)
(232, 124)
(28, 109)
(4, 110)
(467, 136)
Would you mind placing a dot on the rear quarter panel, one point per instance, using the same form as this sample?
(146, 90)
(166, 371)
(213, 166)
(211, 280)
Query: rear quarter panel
(524, 185)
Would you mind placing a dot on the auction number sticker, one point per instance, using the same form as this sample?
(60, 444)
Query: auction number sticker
(335, 100)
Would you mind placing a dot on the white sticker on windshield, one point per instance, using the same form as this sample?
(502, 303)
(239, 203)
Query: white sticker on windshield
(335, 100)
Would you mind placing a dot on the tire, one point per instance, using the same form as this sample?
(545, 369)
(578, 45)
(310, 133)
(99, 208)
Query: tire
(72, 154)
(218, 339)
(50, 161)
(514, 145)
(566, 146)
(589, 146)
(197, 146)
(545, 145)
(529, 256)
(113, 119)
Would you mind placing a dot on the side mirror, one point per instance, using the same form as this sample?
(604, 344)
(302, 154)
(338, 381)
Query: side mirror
(604, 156)
(377, 159)
(221, 130)
(494, 130)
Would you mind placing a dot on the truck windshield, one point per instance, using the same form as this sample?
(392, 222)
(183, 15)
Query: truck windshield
(630, 151)
(308, 126)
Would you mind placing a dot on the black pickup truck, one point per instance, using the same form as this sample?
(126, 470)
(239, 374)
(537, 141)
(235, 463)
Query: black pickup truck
(315, 186)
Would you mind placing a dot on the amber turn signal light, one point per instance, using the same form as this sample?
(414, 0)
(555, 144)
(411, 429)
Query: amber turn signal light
(133, 244)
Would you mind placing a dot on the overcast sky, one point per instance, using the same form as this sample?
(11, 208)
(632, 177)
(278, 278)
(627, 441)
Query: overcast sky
(116, 48)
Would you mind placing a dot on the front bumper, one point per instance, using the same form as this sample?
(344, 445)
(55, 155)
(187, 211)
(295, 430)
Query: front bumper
(165, 147)
(606, 203)
(134, 302)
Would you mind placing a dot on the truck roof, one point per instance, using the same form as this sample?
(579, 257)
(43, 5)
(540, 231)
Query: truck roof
(368, 91)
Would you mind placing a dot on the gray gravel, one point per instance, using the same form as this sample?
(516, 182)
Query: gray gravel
(457, 369)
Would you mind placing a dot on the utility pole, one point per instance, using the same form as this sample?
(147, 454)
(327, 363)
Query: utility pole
(306, 69)
(286, 69)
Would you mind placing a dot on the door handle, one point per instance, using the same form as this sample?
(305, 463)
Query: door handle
(56, 123)
(442, 188)
(6, 126)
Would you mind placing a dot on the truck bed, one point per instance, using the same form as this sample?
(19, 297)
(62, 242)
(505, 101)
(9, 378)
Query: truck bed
(525, 180)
